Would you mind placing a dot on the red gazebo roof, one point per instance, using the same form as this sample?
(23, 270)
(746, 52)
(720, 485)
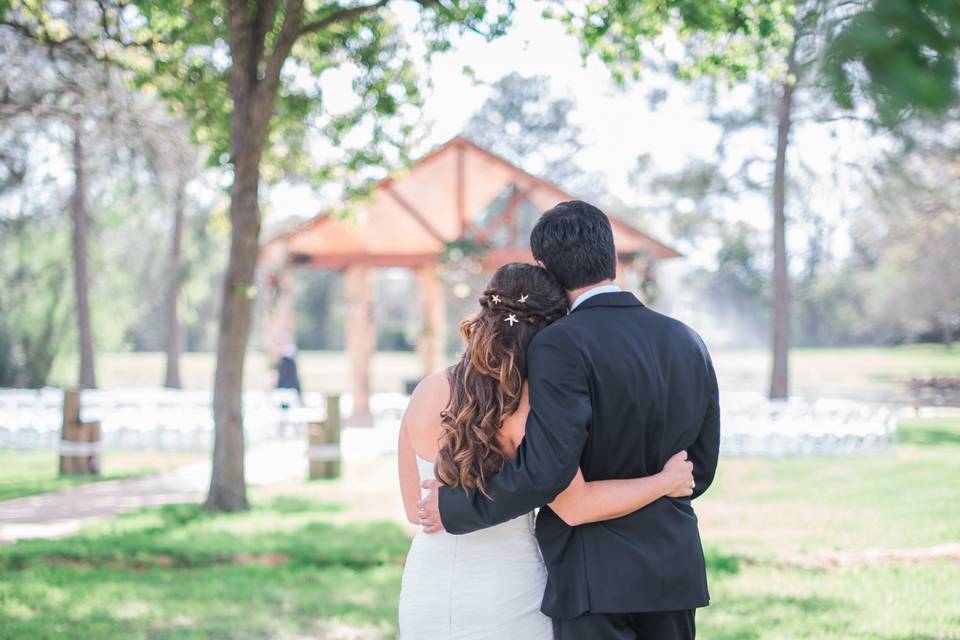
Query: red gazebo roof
(409, 219)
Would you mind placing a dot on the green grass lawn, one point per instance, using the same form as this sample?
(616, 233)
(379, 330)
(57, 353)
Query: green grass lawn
(287, 570)
(765, 519)
(902, 498)
(876, 602)
(25, 473)
(281, 570)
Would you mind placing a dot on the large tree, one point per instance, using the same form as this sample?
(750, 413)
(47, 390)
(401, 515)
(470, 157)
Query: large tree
(248, 77)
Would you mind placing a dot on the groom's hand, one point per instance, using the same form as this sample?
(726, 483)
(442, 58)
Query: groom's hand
(429, 507)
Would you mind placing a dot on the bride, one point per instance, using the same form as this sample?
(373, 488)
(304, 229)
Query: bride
(463, 424)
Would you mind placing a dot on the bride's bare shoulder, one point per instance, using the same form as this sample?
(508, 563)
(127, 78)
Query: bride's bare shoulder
(433, 388)
(429, 398)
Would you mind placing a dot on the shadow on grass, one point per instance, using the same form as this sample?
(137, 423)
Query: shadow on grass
(12, 489)
(720, 563)
(928, 437)
(285, 531)
(929, 431)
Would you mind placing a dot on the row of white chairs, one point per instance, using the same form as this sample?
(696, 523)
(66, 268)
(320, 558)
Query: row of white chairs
(805, 445)
(166, 419)
(148, 418)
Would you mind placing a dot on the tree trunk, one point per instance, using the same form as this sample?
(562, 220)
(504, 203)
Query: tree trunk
(947, 334)
(228, 485)
(80, 280)
(172, 378)
(253, 82)
(228, 491)
(780, 307)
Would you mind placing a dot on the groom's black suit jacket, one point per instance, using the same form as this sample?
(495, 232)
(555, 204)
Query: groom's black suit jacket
(615, 389)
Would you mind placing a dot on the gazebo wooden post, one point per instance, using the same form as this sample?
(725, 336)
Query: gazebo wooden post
(279, 331)
(284, 330)
(361, 338)
(433, 318)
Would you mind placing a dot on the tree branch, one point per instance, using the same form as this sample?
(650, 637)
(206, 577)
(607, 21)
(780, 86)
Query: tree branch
(289, 32)
(42, 38)
(344, 13)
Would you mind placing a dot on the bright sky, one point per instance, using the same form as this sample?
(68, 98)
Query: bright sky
(617, 123)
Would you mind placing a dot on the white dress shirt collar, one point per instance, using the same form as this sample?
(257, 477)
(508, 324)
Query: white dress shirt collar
(594, 291)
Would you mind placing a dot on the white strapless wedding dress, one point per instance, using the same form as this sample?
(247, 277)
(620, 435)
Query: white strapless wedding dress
(486, 585)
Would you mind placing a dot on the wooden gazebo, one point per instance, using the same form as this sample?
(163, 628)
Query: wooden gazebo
(457, 193)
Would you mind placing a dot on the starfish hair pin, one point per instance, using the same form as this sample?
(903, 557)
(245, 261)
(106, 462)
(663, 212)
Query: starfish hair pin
(495, 299)
(523, 298)
(512, 319)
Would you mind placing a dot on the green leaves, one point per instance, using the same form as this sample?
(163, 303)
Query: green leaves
(189, 65)
(901, 55)
(721, 38)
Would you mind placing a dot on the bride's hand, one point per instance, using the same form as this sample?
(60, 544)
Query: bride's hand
(678, 476)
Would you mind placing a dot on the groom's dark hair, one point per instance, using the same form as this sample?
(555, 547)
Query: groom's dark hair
(574, 242)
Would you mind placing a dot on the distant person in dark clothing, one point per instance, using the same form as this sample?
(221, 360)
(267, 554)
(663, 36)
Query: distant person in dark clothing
(287, 376)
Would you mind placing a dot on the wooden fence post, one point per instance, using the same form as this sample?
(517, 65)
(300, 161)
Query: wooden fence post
(79, 441)
(323, 443)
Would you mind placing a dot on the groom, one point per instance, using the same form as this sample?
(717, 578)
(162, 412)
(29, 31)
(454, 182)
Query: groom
(615, 389)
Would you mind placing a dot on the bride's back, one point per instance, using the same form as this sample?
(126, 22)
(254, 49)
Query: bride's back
(461, 425)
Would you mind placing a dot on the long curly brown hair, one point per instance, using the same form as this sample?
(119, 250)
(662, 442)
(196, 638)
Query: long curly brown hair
(487, 383)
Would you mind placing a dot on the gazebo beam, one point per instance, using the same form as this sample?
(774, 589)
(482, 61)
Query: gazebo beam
(509, 213)
(414, 213)
(361, 337)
